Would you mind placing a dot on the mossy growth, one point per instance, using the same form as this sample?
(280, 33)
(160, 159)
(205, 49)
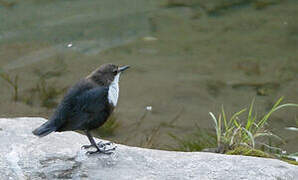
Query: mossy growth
(290, 161)
(247, 151)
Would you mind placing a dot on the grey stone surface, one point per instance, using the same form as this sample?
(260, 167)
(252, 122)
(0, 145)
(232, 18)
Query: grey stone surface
(58, 156)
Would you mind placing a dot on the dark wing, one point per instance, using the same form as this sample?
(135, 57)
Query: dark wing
(66, 107)
(65, 110)
(88, 110)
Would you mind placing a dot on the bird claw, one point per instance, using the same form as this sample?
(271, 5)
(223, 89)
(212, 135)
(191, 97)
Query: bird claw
(104, 144)
(99, 144)
(101, 147)
(102, 151)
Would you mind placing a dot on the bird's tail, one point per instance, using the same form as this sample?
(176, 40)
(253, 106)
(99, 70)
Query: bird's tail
(44, 129)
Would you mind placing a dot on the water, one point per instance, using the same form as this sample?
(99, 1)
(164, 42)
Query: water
(185, 62)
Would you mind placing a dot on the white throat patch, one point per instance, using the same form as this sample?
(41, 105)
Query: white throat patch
(113, 93)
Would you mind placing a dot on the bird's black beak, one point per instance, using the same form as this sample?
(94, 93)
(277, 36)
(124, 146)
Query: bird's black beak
(123, 68)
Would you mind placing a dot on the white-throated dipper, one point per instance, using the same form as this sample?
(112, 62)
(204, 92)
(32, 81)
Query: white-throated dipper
(87, 105)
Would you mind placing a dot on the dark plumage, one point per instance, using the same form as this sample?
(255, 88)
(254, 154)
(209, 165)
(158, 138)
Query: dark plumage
(87, 105)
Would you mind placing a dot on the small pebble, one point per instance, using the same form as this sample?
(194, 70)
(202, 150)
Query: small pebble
(149, 38)
(291, 128)
(149, 108)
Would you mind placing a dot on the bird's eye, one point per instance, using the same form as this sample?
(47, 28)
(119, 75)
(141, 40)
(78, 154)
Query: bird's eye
(115, 72)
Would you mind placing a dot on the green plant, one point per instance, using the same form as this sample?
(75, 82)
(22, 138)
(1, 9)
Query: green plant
(12, 82)
(233, 132)
(247, 151)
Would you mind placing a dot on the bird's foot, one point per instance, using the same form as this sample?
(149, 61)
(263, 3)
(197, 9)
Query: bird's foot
(104, 144)
(100, 144)
(101, 147)
(102, 151)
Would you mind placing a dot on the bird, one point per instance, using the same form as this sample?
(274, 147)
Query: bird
(87, 105)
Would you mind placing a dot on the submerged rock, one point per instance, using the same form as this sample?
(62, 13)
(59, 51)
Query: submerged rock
(59, 156)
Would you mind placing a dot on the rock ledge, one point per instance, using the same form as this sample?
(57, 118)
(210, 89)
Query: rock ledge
(58, 156)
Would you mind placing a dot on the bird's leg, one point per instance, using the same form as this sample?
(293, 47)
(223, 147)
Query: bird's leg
(100, 147)
(99, 144)
(90, 139)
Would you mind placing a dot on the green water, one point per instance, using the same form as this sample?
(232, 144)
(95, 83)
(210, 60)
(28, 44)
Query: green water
(187, 60)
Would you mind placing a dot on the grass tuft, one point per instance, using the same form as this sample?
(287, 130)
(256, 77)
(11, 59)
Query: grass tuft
(236, 136)
(234, 132)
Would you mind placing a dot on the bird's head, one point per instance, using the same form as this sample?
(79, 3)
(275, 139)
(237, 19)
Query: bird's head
(106, 73)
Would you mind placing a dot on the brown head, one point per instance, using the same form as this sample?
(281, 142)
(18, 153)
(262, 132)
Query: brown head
(105, 74)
